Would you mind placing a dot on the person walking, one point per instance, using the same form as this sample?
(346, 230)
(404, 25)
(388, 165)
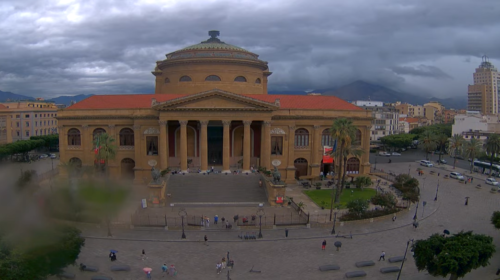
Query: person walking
(164, 269)
(286, 232)
(143, 255)
(206, 240)
(223, 263)
(148, 274)
(323, 245)
(227, 256)
(382, 256)
(219, 267)
(216, 219)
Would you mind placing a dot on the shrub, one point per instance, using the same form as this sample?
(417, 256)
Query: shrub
(408, 186)
(363, 182)
(368, 214)
(386, 200)
(357, 206)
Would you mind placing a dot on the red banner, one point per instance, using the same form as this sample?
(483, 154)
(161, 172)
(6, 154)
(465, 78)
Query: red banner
(326, 155)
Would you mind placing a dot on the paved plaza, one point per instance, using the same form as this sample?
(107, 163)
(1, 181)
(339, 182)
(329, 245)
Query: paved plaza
(300, 255)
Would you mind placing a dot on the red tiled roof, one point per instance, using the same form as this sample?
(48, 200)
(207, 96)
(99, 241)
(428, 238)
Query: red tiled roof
(143, 101)
(2, 106)
(408, 120)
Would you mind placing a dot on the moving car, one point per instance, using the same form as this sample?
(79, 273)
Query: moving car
(442, 161)
(426, 163)
(385, 154)
(491, 181)
(395, 154)
(457, 175)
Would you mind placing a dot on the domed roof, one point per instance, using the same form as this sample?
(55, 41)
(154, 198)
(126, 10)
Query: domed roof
(213, 43)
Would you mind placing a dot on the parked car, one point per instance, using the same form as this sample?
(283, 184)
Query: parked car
(491, 181)
(384, 154)
(53, 156)
(395, 154)
(426, 163)
(43, 156)
(442, 161)
(457, 175)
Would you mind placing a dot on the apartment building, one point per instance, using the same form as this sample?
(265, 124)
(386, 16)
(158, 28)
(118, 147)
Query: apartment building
(5, 135)
(386, 118)
(483, 95)
(30, 118)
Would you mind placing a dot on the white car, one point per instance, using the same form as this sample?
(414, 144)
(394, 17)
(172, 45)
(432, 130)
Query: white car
(43, 156)
(491, 181)
(53, 156)
(457, 175)
(384, 154)
(395, 154)
(426, 163)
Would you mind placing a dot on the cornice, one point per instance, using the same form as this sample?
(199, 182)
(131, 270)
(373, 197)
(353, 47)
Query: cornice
(107, 117)
(170, 62)
(316, 118)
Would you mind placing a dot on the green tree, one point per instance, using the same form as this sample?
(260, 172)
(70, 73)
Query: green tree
(441, 143)
(105, 148)
(408, 186)
(38, 253)
(50, 141)
(357, 206)
(386, 200)
(495, 219)
(363, 181)
(456, 145)
(434, 129)
(427, 142)
(344, 133)
(456, 255)
(397, 140)
(492, 147)
(348, 151)
(471, 149)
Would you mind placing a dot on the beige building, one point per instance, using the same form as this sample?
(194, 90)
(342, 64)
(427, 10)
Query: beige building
(5, 127)
(30, 118)
(211, 109)
(416, 111)
(483, 94)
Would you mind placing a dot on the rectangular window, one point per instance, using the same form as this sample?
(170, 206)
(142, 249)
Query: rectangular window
(17, 124)
(18, 133)
(277, 145)
(152, 145)
(18, 116)
(27, 116)
(27, 124)
(36, 115)
(27, 134)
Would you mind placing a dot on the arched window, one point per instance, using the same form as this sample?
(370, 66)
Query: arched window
(167, 80)
(357, 141)
(126, 137)
(326, 138)
(352, 166)
(97, 132)
(213, 78)
(74, 137)
(301, 138)
(185, 79)
(240, 79)
(258, 81)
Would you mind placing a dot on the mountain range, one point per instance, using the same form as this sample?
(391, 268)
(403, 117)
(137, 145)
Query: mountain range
(358, 90)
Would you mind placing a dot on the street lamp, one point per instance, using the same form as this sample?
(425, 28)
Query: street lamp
(183, 214)
(423, 208)
(334, 221)
(404, 257)
(260, 213)
(416, 210)
(437, 189)
(409, 168)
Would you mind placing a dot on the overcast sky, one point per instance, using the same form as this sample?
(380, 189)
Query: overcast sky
(68, 47)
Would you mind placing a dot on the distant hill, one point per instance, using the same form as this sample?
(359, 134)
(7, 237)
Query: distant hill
(66, 100)
(287, 92)
(360, 90)
(9, 96)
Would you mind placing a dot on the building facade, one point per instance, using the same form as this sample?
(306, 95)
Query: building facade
(385, 118)
(5, 126)
(30, 118)
(211, 109)
(473, 124)
(483, 95)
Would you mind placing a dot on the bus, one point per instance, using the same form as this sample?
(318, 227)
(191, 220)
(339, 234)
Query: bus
(482, 167)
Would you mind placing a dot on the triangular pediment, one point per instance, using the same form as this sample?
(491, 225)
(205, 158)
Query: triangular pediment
(216, 100)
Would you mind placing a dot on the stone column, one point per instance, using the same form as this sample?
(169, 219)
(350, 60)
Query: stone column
(87, 143)
(247, 146)
(316, 151)
(112, 164)
(203, 146)
(365, 165)
(265, 145)
(290, 169)
(138, 153)
(225, 148)
(163, 145)
(183, 149)
(63, 146)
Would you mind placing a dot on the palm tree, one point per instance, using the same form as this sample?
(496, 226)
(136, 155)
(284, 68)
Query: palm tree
(441, 143)
(456, 145)
(427, 142)
(492, 147)
(105, 150)
(344, 133)
(471, 149)
(349, 151)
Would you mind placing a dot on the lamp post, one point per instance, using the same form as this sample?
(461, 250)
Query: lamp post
(183, 214)
(416, 210)
(409, 168)
(437, 189)
(334, 221)
(423, 208)
(404, 258)
(260, 213)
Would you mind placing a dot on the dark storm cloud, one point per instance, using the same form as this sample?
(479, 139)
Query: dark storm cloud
(69, 47)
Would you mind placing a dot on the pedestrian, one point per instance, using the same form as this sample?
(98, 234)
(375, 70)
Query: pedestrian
(260, 183)
(219, 267)
(216, 219)
(148, 274)
(415, 224)
(227, 224)
(143, 255)
(438, 174)
(382, 256)
(223, 263)
(164, 269)
(471, 179)
(227, 256)
(223, 219)
(498, 272)
(202, 221)
(286, 232)
(208, 222)
(172, 271)
(206, 240)
(323, 245)
(394, 218)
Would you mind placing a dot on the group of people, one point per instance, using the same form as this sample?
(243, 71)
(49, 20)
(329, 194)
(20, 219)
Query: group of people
(223, 263)
(169, 270)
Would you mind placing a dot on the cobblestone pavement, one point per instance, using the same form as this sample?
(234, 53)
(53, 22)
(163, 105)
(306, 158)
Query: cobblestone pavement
(300, 255)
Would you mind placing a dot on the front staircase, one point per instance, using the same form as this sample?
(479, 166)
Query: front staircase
(215, 189)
